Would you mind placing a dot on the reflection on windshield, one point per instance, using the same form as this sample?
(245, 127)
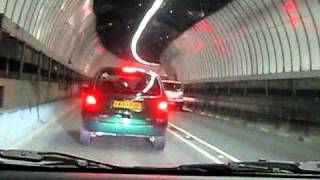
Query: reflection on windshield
(144, 84)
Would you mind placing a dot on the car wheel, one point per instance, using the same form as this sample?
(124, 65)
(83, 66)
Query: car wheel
(159, 142)
(85, 137)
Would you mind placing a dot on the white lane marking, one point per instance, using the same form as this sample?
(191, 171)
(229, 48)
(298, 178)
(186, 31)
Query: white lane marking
(232, 158)
(205, 153)
(187, 109)
(30, 136)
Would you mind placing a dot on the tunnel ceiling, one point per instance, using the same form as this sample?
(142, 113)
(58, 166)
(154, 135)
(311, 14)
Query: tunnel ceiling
(117, 21)
(249, 40)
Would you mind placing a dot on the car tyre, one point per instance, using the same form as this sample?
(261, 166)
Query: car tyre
(159, 142)
(85, 137)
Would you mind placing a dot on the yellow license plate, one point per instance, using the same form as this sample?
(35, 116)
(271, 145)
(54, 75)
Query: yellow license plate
(136, 106)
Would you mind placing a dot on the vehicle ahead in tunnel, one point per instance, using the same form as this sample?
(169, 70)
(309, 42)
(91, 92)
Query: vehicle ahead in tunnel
(250, 92)
(126, 102)
(174, 92)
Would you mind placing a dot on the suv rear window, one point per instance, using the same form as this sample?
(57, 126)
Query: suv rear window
(131, 84)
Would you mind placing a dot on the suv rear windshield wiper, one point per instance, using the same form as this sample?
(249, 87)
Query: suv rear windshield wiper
(49, 159)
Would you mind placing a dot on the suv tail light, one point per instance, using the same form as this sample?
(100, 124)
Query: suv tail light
(91, 100)
(163, 106)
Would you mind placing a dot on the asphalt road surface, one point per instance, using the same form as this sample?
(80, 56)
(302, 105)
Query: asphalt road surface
(191, 138)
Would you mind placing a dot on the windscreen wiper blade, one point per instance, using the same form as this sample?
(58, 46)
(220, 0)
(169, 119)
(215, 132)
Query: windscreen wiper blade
(266, 167)
(206, 169)
(62, 160)
(309, 167)
(52, 159)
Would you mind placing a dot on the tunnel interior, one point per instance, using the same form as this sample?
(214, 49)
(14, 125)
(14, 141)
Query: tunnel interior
(257, 61)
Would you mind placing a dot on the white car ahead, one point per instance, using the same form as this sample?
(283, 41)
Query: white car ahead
(174, 93)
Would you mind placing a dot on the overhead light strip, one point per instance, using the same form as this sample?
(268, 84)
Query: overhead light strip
(156, 5)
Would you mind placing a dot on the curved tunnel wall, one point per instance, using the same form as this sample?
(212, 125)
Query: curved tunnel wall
(63, 29)
(250, 39)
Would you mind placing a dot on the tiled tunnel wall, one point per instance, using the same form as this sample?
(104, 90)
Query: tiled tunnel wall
(250, 38)
(38, 39)
(253, 58)
(62, 29)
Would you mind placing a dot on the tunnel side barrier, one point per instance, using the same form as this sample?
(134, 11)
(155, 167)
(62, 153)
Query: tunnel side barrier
(18, 60)
(37, 85)
(293, 103)
(29, 77)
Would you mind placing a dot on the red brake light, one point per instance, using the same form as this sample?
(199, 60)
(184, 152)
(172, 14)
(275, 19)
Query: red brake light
(163, 105)
(129, 70)
(91, 100)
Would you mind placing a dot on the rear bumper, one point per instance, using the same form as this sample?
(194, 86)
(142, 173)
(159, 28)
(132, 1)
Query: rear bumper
(100, 128)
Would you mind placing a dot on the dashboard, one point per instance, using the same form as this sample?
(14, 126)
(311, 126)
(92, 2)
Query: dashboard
(9, 174)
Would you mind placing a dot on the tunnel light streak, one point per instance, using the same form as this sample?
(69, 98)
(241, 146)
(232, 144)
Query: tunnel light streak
(86, 68)
(87, 2)
(289, 6)
(156, 5)
(294, 20)
(63, 5)
(87, 7)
